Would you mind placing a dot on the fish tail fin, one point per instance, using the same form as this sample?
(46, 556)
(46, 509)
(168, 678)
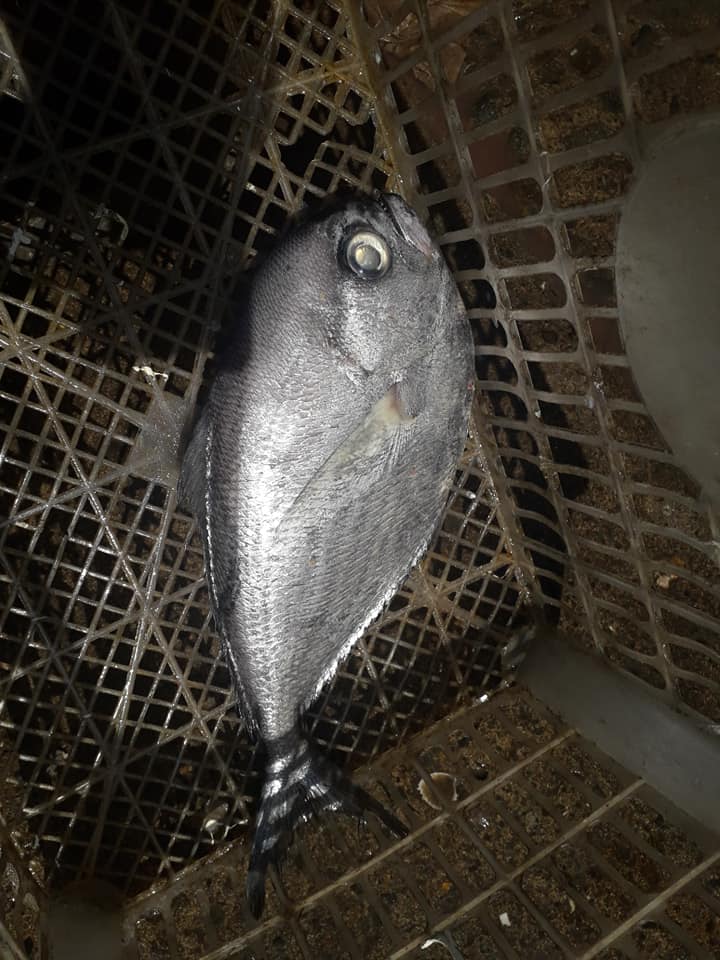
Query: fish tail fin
(300, 784)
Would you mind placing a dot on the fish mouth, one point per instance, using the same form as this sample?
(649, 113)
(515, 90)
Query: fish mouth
(405, 222)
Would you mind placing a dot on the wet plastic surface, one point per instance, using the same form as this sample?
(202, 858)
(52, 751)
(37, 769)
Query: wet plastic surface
(656, 287)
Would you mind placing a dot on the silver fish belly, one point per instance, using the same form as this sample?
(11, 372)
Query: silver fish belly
(318, 471)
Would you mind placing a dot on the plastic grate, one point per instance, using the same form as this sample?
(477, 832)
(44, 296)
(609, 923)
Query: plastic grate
(522, 126)
(525, 841)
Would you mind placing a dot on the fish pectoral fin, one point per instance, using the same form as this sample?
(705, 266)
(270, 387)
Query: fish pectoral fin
(375, 434)
(367, 452)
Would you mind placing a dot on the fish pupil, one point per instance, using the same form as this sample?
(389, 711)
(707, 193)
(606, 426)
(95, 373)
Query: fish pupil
(367, 257)
(367, 254)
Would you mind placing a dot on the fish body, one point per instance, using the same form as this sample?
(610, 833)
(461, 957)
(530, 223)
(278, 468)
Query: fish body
(318, 470)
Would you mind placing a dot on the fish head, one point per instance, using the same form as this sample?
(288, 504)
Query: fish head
(369, 284)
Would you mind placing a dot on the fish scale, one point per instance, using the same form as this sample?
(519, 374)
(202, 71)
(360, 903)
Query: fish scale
(318, 471)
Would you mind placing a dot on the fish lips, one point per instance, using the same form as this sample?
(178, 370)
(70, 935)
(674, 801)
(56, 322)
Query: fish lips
(406, 223)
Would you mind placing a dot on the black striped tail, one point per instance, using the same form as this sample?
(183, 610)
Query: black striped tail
(300, 784)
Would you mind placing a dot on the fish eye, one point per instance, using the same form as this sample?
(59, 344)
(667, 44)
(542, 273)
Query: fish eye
(367, 254)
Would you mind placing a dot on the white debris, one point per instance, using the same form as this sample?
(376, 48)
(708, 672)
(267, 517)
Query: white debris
(430, 942)
(441, 941)
(505, 920)
(149, 372)
(106, 217)
(19, 237)
(445, 785)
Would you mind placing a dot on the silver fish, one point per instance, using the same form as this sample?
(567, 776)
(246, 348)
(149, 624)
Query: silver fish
(317, 472)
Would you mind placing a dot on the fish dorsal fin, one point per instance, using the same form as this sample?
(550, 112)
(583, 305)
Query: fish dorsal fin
(193, 470)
